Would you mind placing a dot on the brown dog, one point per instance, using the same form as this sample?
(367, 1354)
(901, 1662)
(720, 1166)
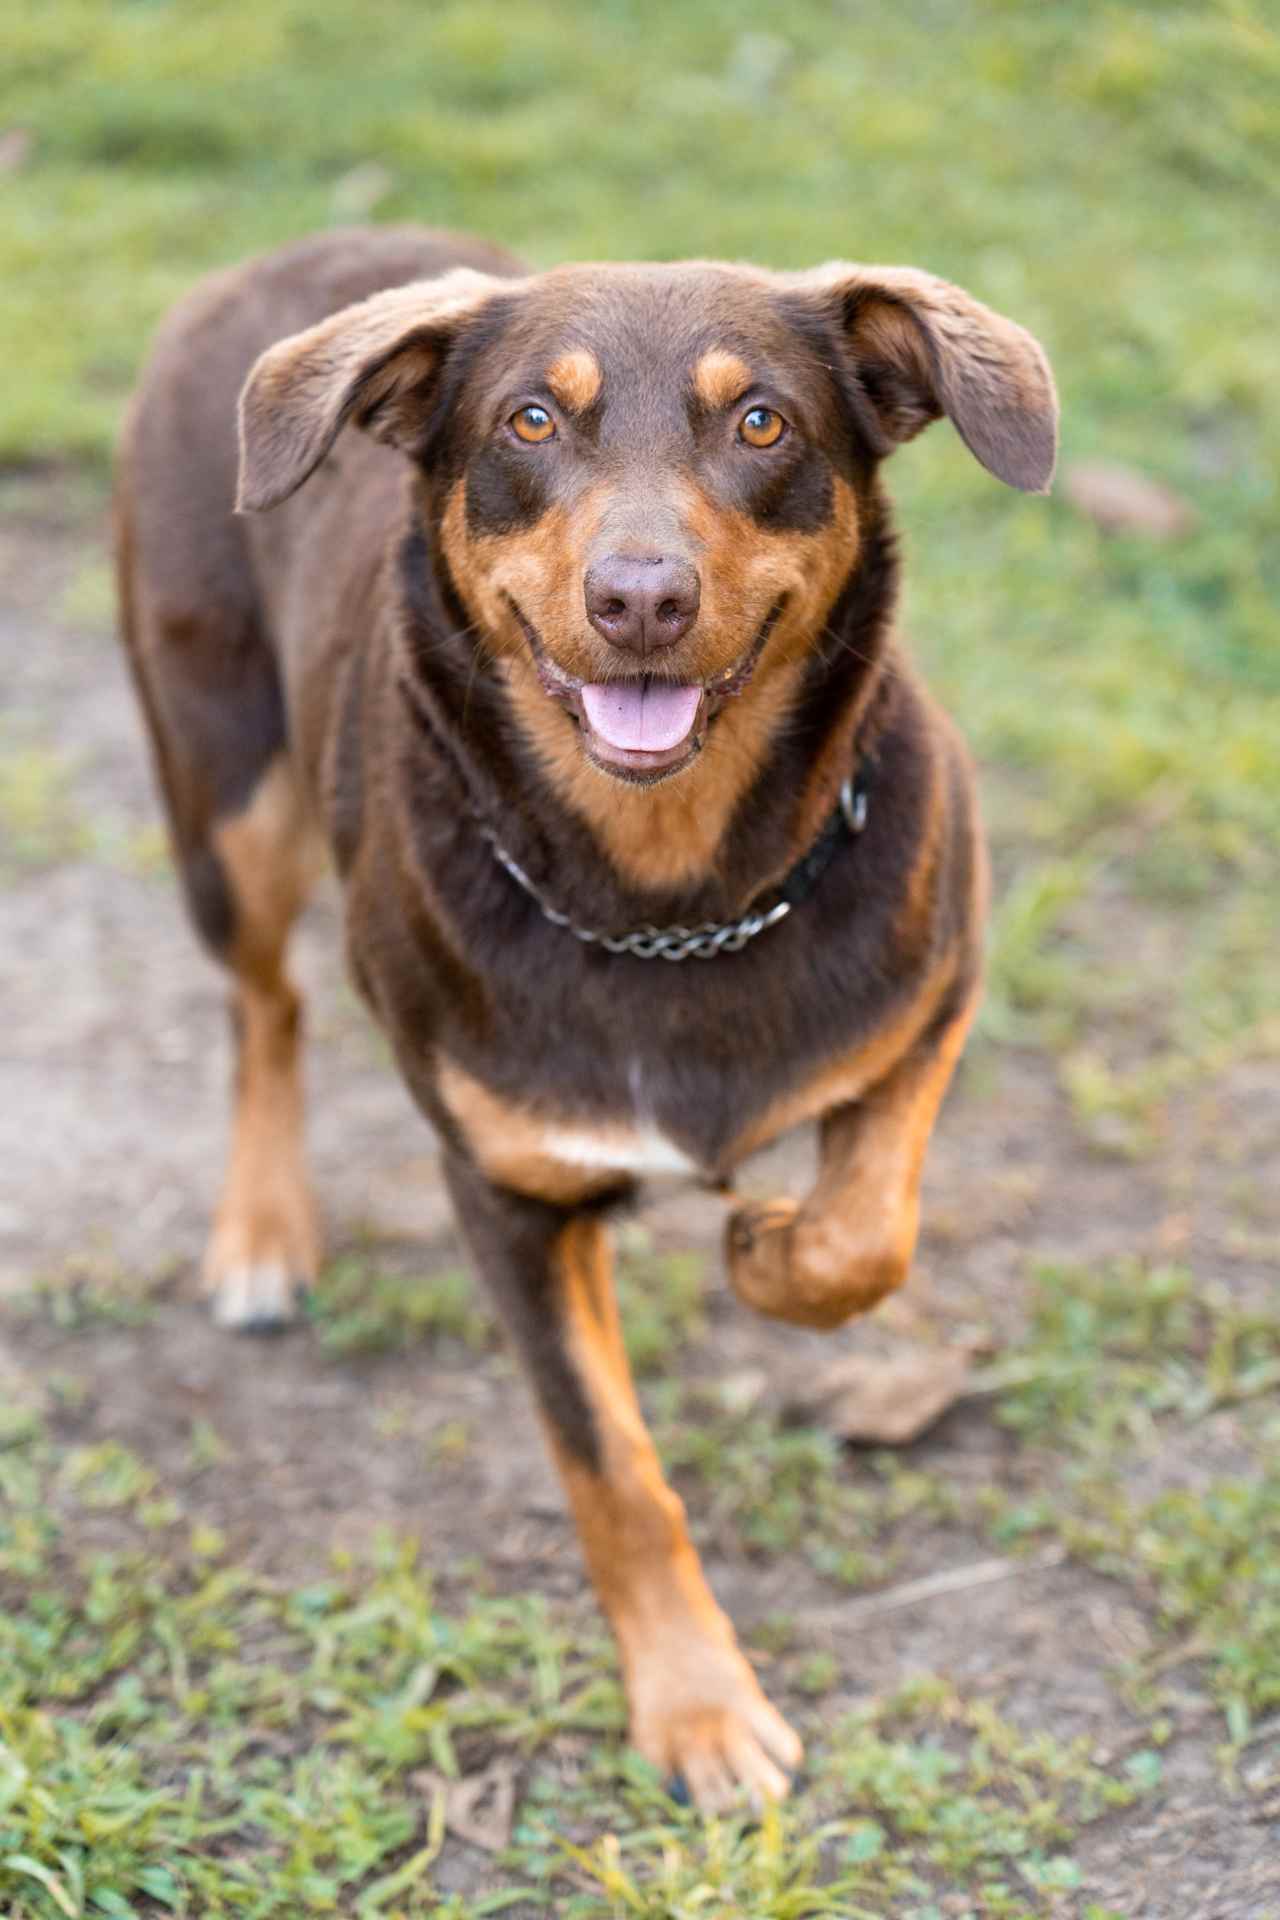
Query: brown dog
(581, 659)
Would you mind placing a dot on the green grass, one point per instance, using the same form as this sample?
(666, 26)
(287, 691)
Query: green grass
(368, 1302)
(39, 824)
(179, 1734)
(363, 1304)
(1108, 173)
(767, 1490)
(1121, 1371)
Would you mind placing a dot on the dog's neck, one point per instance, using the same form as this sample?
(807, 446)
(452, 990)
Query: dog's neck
(700, 846)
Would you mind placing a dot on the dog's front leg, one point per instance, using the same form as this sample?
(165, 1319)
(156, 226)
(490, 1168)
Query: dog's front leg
(844, 1247)
(696, 1708)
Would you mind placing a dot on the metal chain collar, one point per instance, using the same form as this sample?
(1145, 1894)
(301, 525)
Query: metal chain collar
(705, 942)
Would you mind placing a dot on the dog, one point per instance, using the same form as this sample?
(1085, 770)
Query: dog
(560, 607)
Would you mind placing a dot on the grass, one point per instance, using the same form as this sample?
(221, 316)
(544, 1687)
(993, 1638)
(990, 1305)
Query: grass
(1131, 691)
(362, 1304)
(180, 1734)
(367, 1302)
(1127, 1365)
(39, 825)
(766, 1490)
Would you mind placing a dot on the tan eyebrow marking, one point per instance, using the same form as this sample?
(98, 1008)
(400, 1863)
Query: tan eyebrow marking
(720, 377)
(575, 379)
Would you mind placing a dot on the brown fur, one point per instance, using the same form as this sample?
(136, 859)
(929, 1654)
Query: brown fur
(398, 657)
(934, 350)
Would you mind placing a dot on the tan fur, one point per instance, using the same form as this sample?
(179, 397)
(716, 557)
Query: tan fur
(720, 378)
(670, 835)
(575, 380)
(663, 837)
(696, 1707)
(266, 1237)
(510, 1142)
(847, 1245)
(273, 854)
(539, 568)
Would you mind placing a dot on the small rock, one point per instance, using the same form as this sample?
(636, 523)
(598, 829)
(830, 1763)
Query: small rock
(1121, 500)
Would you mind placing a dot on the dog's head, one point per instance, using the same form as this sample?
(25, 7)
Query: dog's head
(646, 479)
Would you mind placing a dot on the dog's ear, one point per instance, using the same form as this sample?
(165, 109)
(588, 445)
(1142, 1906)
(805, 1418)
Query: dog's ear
(921, 348)
(375, 363)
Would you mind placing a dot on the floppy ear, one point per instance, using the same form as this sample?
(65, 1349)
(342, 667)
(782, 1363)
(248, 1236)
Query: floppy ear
(922, 348)
(374, 363)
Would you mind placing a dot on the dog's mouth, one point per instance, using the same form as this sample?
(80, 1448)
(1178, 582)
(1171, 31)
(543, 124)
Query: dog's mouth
(644, 727)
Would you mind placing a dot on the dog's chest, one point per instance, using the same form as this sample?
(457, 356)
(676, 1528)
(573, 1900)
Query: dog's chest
(549, 1145)
(640, 1150)
(543, 1146)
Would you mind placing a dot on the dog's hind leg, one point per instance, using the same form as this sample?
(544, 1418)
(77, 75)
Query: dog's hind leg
(265, 1246)
(697, 1710)
(210, 692)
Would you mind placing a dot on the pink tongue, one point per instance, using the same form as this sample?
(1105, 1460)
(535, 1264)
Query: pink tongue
(642, 715)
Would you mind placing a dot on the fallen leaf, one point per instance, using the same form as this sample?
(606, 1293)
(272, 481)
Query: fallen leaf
(15, 149)
(1122, 500)
(479, 1809)
(875, 1401)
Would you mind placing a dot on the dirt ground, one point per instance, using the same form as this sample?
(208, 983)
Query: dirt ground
(113, 1082)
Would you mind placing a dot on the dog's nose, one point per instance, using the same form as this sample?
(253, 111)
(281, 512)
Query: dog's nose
(642, 602)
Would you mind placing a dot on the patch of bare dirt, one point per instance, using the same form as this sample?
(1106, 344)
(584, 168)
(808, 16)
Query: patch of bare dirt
(113, 1070)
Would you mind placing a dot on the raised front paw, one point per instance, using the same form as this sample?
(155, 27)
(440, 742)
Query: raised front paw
(698, 1714)
(757, 1250)
(815, 1270)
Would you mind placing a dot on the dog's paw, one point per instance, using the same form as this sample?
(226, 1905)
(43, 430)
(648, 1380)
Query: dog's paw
(698, 1714)
(814, 1269)
(258, 1275)
(758, 1241)
(262, 1297)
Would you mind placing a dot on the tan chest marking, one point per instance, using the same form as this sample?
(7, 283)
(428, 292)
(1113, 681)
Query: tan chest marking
(562, 1160)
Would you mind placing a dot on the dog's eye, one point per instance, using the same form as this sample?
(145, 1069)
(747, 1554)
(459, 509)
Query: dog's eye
(533, 424)
(762, 427)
